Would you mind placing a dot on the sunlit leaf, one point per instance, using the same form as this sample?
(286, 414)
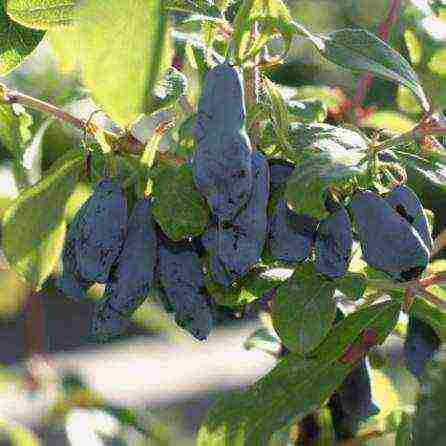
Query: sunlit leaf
(33, 227)
(121, 51)
(16, 41)
(42, 14)
(361, 51)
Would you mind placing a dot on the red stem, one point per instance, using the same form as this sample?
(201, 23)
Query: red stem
(366, 80)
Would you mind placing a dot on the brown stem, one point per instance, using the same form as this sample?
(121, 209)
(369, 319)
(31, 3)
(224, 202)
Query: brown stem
(15, 97)
(34, 332)
(366, 80)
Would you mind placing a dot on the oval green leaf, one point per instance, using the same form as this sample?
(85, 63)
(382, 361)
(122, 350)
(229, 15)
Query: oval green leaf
(178, 207)
(361, 51)
(304, 309)
(120, 49)
(33, 227)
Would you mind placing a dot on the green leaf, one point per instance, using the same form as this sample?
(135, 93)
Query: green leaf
(334, 159)
(178, 207)
(381, 317)
(271, 15)
(16, 41)
(404, 432)
(352, 285)
(326, 138)
(33, 227)
(278, 111)
(295, 387)
(304, 309)
(361, 51)
(42, 14)
(14, 128)
(169, 90)
(120, 48)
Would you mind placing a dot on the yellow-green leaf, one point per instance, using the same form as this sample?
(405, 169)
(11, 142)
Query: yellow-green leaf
(272, 15)
(16, 41)
(33, 227)
(120, 52)
(42, 14)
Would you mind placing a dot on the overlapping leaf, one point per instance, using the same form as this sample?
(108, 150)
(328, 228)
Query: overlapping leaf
(295, 387)
(272, 15)
(177, 205)
(304, 309)
(121, 51)
(34, 226)
(16, 41)
(42, 14)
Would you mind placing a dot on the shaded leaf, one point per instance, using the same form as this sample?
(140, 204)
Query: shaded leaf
(333, 158)
(352, 285)
(14, 128)
(120, 52)
(248, 418)
(360, 50)
(16, 41)
(42, 14)
(178, 207)
(33, 227)
(304, 309)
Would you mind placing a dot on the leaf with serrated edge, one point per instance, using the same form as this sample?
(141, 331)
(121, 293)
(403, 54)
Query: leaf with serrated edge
(248, 418)
(304, 309)
(34, 227)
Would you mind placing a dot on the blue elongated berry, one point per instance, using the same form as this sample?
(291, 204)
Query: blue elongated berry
(389, 242)
(405, 201)
(100, 231)
(182, 280)
(70, 281)
(131, 279)
(222, 161)
(333, 245)
(291, 236)
(241, 242)
(420, 345)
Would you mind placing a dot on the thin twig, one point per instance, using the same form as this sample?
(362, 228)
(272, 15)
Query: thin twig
(366, 80)
(15, 97)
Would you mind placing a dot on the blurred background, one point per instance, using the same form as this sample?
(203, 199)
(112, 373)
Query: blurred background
(154, 385)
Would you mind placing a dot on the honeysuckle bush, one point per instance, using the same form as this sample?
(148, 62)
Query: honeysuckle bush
(292, 201)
